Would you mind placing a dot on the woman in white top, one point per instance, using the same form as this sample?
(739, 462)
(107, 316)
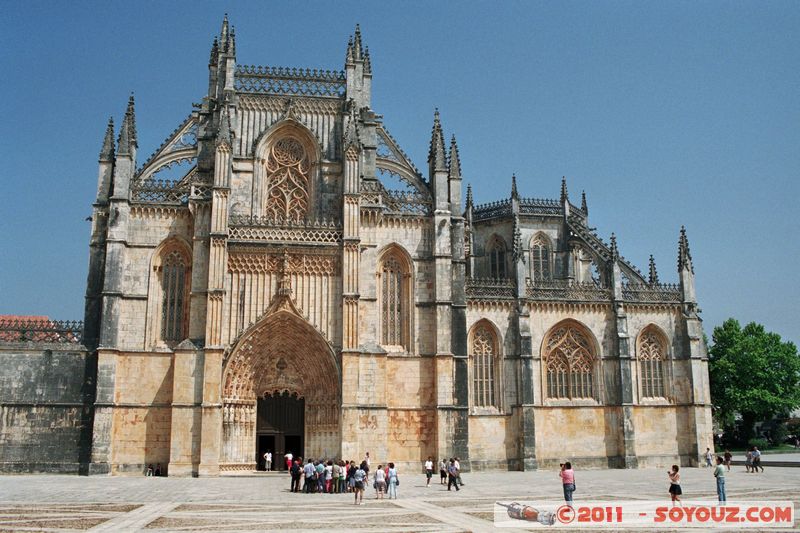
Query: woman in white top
(380, 482)
(393, 481)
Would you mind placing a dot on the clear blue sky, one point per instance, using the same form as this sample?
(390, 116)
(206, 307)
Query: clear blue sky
(666, 113)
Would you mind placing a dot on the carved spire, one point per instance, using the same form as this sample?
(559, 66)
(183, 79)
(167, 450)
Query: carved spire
(224, 136)
(584, 207)
(357, 49)
(436, 156)
(232, 42)
(107, 152)
(349, 57)
(367, 63)
(130, 114)
(351, 137)
(517, 243)
(653, 277)
(684, 255)
(564, 192)
(469, 196)
(514, 193)
(455, 161)
(214, 52)
(614, 250)
(224, 34)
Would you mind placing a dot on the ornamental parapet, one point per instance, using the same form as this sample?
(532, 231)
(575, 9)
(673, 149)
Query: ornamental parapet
(651, 293)
(566, 290)
(44, 330)
(497, 209)
(410, 202)
(244, 228)
(290, 81)
(490, 289)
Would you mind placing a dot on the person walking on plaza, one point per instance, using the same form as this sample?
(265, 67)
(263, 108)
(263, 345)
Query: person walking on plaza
(458, 467)
(728, 456)
(452, 475)
(379, 482)
(358, 485)
(393, 481)
(442, 472)
(567, 475)
(748, 461)
(429, 470)
(296, 472)
(709, 457)
(757, 459)
(719, 473)
(675, 484)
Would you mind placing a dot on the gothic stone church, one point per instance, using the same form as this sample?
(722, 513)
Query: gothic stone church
(279, 275)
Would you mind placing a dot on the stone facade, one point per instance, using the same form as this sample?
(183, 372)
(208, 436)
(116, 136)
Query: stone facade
(280, 244)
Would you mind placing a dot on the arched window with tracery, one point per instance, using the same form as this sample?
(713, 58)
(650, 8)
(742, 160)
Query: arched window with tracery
(497, 258)
(394, 281)
(540, 258)
(569, 363)
(484, 354)
(170, 284)
(288, 181)
(651, 352)
(173, 283)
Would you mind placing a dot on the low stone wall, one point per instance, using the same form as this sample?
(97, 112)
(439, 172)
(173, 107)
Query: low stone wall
(46, 392)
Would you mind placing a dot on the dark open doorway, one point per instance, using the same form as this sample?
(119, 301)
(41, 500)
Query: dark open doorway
(281, 421)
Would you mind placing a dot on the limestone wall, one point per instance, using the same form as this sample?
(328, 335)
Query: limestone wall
(45, 408)
(142, 413)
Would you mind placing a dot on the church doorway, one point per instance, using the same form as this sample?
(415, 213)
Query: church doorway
(279, 427)
(281, 392)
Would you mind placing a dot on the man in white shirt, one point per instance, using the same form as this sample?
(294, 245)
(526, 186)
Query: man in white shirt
(268, 461)
(429, 470)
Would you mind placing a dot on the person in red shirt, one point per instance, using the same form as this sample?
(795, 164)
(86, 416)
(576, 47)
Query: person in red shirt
(568, 480)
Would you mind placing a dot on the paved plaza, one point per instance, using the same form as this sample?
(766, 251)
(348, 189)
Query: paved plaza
(262, 502)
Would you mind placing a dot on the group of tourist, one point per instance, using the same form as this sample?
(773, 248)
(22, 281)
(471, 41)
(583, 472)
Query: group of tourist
(340, 477)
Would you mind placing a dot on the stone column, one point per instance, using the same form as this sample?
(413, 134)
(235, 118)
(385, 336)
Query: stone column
(187, 395)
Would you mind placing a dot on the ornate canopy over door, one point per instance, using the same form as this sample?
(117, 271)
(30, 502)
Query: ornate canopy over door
(280, 353)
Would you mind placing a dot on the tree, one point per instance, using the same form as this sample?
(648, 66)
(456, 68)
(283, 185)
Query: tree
(753, 373)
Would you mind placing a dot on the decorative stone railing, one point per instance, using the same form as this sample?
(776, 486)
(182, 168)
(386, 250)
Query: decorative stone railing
(651, 293)
(490, 289)
(492, 210)
(290, 81)
(264, 229)
(564, 290)
(55, 331)
(374, 194)
(160, 191)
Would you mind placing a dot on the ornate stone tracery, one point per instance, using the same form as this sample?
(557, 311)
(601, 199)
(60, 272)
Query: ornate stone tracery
(569, 358)
(288, 181)
(651, 361)
(484, 352)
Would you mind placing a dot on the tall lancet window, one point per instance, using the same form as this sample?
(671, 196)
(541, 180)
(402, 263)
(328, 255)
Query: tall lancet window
(394, 277)
(173, 302)
(392, 312)
(540, 259)
(288, 181)
(497, 258)
(569, 363)
(651, 363)
(484, 359)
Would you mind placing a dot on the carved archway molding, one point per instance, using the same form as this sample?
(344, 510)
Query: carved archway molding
(281, 352)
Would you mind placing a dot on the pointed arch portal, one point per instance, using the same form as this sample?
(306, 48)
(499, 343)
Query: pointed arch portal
(281, 391)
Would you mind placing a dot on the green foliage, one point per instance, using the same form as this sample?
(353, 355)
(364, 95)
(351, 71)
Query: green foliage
(761, 443)
(753, 374)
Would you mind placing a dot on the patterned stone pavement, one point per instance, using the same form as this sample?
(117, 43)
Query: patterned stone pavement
(262, 502)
